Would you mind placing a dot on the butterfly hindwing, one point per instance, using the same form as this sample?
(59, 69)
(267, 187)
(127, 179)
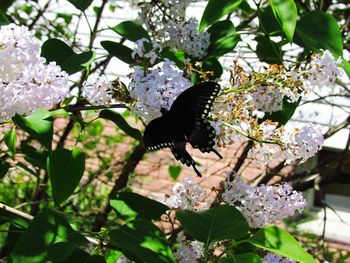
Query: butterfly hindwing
(157, 136)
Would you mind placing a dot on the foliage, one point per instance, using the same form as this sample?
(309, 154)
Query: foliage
(64, 169)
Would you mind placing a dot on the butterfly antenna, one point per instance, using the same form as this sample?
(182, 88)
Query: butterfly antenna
(196, 170)
(216, 152)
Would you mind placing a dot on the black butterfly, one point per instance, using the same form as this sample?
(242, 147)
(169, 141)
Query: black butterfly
(185, 122)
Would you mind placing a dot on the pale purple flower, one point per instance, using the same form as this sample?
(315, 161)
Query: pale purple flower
(97, 90)
(263, 205)
(156, 88)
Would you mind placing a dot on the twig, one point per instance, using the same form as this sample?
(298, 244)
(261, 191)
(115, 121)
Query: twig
(40, 13)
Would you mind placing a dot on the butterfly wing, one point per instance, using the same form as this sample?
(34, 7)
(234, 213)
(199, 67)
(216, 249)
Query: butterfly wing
(194, 105)
(195, 102)
(157, 135)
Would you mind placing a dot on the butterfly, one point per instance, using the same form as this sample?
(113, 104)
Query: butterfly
(184, 123)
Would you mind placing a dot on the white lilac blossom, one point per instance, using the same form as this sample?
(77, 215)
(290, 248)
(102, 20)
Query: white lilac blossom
(302, 143)
(323, 70)
(189, 251)
(274, 258)
(140, 50)
(263, 205)
(184, 37)
(156, 16)
(266, 99)
(187, 195)
(156, 88)
(294, 143)
(18, 50)
(97, 90)
(26, 83)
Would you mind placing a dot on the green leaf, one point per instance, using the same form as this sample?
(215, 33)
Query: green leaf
(3, 19)
(241, 258)
(14, 219)
(46, 229)
(319, 30)
(284, 115)
(144, 240)
(78, 62)
(65, 169)
(223, 38)
(215, 10)
(78, 255)
(121, 123)
(118, 50)
(268, 51)
(216, 224)
(212, 64)
(56, 50)
(38, 125)
(268, 22)
(177, 56)
(4, 167)
(131, 205)
(279, 241)
(10, 138)
(95, 259)
(112, 255)
(131, 30)
(34, 156)
(286, 13)
(346, 66)
(174, 171)
(81, 4)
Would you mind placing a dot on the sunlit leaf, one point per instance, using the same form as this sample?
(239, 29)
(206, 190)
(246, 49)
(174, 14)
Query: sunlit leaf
(38, 125)
(215, 10)
(174, 171)
(286, 13)
(10, 139)
(279, 241)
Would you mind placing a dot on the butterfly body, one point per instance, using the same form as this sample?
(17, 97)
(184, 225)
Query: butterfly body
(185, 122)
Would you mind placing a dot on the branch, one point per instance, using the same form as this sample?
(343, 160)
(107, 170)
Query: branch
(337, 128)
(120, 183)
(40, 13)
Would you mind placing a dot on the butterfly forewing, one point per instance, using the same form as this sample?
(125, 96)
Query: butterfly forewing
(185, 122)
(195, 103)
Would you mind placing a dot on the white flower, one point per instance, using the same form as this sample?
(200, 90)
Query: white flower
(266, 99)
(263, 205)
(184, 36)
(323, 70)
(156, 89)
(187, 195)
(26, 83)
(274, 258)
(189, 251)
(18, 50)
(97, 90)
(302, 143)
(140, 50)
